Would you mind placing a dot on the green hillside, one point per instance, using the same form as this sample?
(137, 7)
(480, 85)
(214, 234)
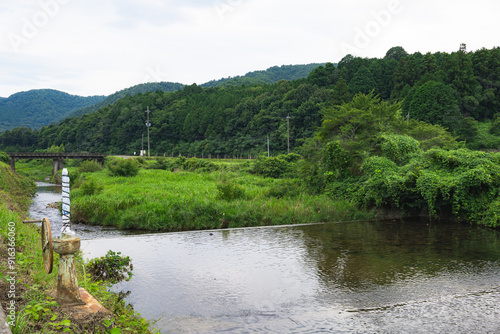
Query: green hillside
(40, 107)
(271, 75)
(137, 89)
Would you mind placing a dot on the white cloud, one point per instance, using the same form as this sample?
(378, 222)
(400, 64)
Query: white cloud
(98, 47)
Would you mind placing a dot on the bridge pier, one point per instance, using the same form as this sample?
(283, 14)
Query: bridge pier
(58, 164)
(13, 164)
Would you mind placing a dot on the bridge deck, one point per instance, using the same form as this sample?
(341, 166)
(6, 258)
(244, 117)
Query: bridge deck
(30, 155)
(57, 157)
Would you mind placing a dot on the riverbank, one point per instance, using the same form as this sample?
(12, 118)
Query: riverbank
(165, 200)
(27, 303)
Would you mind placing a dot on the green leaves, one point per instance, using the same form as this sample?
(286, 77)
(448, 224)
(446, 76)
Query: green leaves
(462, 183)
(435, 103)
(356, 124)
(399, 148)
(123, 167)
(113, 267)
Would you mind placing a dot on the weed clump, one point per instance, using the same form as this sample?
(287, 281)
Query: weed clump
(229, 191)
(91, 187)
(89, 166)
(126, 167)
(112, 268)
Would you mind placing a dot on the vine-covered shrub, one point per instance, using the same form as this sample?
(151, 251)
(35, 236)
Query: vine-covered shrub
(461, 183)
(337, 161)
(399, 148)
(492, 215)
(382, 183)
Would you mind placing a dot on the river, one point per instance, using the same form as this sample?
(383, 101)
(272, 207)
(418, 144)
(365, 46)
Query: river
(399, 276)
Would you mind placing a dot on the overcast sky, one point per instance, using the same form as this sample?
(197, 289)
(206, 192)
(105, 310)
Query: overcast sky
(97, 47)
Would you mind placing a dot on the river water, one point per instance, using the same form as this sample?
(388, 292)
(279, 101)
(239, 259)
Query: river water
(408, 276)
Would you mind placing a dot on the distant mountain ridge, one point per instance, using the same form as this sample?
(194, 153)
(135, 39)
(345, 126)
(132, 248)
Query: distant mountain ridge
(38, 107)
(271, 75)
(41, 107)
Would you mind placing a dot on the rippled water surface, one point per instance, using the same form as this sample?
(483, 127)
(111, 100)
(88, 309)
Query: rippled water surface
(49, 193)
(363, 277)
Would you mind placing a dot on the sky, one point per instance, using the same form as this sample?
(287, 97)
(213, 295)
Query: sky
(98, 47)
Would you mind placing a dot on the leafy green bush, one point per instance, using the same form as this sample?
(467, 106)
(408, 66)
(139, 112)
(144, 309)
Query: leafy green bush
(229, 191)
(4, 157)
(125, 167)
(274, 167)
(89, 166)
(112, 268)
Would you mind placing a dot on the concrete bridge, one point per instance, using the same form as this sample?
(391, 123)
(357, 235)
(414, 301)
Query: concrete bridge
(56, 157)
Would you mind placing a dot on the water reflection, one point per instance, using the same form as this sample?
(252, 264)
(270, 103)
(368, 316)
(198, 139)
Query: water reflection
(391, 276)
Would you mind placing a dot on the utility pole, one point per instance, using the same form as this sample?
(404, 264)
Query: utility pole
(268, 146)
(148, 125)
(142, 147)
(288, 131)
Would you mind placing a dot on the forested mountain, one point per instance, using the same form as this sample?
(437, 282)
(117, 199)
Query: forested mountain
(141, 88)
(39, 107)
(459, 91)
(271, 75)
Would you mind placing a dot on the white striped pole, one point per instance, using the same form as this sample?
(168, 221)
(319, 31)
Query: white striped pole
(66, 229)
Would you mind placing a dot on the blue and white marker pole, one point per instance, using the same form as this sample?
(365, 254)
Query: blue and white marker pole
(66, 229)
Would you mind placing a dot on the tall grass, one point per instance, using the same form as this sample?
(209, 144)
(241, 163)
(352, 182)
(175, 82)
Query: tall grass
(174, 201)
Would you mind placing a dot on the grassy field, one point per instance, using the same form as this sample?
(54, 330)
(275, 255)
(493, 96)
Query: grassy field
(162, 200)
